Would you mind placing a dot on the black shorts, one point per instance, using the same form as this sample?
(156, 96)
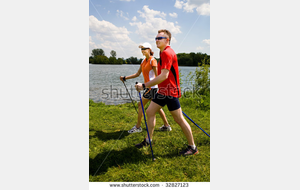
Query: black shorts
(149, 94)
(172, 102)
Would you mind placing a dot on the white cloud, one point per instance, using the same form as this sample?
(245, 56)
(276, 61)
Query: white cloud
(151, 12)
(206, 47)
(178, 4)
(108, 12)
(189, 7)
(202, 6)
(134, 18)
(110, 37)
(207, 41)
(92, 44)
(148, 29)
(174, 15)
(121, 14)
(173, 39)
(204, 9)
(200, 48)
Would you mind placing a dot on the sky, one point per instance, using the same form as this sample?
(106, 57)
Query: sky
(123, 25)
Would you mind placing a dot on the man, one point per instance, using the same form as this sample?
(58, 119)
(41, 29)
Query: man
(168, 93)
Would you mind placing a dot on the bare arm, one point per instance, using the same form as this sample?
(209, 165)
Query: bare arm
(154, 68)
(138, 73)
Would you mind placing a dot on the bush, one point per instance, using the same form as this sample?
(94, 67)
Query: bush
(202, 80)
(200, 97)
(195, 101)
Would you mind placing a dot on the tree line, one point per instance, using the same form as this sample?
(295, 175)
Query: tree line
(184, 59)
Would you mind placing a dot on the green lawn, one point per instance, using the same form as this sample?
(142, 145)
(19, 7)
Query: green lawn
(114, 158)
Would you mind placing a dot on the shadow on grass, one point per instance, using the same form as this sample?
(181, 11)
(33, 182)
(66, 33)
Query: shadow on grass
(110, 136)
(175, 152)
(205, 141)
(114, 158)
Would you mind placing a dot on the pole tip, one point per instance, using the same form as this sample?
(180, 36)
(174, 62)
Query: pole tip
(154, 159)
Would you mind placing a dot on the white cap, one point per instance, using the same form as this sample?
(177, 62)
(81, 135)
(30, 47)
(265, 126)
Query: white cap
(145, 45)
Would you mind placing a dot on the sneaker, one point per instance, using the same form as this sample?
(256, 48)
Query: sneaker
(142, 144)
(189, 151)
(165, 128)
(135, 130)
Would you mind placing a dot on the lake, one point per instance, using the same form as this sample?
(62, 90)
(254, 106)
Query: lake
(105, 85)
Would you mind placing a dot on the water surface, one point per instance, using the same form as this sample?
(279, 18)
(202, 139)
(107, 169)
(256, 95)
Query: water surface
(105, 85)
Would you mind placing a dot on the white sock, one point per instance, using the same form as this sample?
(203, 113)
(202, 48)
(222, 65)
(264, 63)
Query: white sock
(193, 146)
(147, 140)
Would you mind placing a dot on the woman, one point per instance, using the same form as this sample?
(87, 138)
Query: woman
(149, 69)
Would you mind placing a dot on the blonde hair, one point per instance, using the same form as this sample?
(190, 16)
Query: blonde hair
(167, 32)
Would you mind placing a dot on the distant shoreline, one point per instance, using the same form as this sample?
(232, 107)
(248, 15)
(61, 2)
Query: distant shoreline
(138, 64)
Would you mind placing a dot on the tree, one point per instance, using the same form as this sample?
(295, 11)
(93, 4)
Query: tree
(120, 61)
(91, 59)
(113, 53)
(101, 59)
(140, 60)
(198, 58)
(123, 60)
(132, 60)
(112, 60)
(184, 59)
(192, 55)
(96, 52)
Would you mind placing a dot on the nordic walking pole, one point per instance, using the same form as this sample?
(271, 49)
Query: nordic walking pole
(195, 123)
(130, 97)
(153, 159)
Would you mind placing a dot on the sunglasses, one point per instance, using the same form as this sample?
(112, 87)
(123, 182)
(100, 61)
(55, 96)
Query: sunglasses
(159, 38)
(145, 48)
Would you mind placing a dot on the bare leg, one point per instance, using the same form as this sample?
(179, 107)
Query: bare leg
(140, 113)
(178, 117)
(163, 116)
(152, 109)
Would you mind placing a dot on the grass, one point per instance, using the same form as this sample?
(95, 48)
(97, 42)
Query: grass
(114, 158)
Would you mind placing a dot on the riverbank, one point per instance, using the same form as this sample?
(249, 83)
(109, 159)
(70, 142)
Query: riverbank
(113, 156)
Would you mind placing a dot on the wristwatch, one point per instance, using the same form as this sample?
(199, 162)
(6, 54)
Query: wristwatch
(144, 87)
